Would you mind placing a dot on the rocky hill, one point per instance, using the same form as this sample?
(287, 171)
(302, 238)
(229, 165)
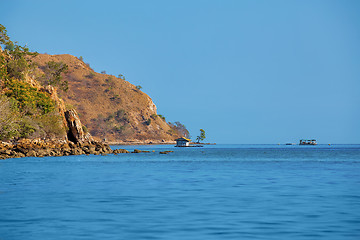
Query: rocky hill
(109, 106)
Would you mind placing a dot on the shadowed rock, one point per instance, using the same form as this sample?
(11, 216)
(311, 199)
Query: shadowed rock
(76, 133)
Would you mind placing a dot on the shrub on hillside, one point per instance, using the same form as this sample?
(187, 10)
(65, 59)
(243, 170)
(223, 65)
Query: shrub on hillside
(116, 123)
(171, 132)
(50, 125)
(121, 76)
(148, 122)
(85, 129)
(17, 68)
(161, 116)
(90, 75)
(14, 124)
(25, 111)
(15, 60)
(29, 99)
(53, 75)
(8, 119)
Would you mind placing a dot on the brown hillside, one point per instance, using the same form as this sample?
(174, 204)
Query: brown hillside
(110, 107)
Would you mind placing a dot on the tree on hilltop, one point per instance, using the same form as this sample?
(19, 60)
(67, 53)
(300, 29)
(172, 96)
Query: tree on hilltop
(121, 76)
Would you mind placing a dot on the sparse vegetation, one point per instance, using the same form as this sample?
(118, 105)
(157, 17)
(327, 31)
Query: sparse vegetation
(90, 75)
(161, 116)
(15, 60)
(116, 98)
(88, 65)
(110, 82)
(69, 106)
(85, 129)
(171, 132)
(10, 46)
(53, 75)
(116, 123)
(9, 121)
(103, 72)
(121, 76)
(148, 122)
(180, 129)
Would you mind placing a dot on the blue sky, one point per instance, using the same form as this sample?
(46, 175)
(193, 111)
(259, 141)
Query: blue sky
(245, 71)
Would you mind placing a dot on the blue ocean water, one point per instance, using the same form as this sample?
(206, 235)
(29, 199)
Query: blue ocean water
(214, 192)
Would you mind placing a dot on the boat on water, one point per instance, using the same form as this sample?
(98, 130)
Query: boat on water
(308, 142)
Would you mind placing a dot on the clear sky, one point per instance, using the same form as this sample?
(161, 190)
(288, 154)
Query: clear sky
(245, 71)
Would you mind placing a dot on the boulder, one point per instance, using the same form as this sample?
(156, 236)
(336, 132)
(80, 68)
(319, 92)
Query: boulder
(116, 151)
(31, 153)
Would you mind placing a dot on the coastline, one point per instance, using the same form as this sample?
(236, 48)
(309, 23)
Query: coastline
(150, 142)
(136, 142)
(54, 148)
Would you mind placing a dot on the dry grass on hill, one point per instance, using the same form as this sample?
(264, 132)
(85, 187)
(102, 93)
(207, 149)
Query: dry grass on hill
(108, 106)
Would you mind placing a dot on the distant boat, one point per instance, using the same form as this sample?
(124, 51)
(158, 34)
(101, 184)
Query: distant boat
(290, 143)
(307, 142)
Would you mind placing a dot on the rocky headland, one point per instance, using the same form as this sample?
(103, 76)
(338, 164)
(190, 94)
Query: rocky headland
(42, 97)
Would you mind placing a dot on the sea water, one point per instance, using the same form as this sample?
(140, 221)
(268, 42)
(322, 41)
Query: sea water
(214, 192)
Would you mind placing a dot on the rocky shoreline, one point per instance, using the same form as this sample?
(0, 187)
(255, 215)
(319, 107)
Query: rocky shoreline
(58, 148)
(45, 148)
(151, 142)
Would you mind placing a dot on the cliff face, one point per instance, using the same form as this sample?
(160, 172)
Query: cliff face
(108, 106)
